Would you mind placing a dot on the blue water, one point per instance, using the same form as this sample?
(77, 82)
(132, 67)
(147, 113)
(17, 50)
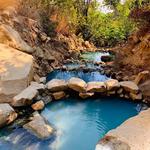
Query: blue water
(66, 75)
(81, 124)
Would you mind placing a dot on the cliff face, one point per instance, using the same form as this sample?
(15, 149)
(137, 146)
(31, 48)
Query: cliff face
(134, 56)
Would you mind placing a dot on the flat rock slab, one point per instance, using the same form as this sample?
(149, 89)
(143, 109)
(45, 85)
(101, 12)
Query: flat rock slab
(7, 114)
(112, 84)
(96, 87)
(39, 127)
(56, 85)
(15, 72)
(133, 134)
(129, 86)
(77, 84)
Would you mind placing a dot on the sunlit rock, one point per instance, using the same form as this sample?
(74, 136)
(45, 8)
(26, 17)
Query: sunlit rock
(16, 71)
(129, 86)
(38, 105)
(133, 134)
(25, 97)
(77, 84)
(56, 85)
(96, 87)
(112, 84)
(39, 127)
(7, 114)
(11, 37)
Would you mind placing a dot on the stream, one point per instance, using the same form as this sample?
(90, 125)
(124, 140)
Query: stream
(80, 124)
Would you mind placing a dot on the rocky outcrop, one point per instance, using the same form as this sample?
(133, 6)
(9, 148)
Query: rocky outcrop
(12, 38)
(77, 84)
(39, 127)
(56, 85)
(7, 114)
(96, 87)
(133, 134)
(16, 72)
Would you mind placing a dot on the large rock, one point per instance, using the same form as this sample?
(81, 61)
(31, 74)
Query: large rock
(77, 84)
(56, 85)
(133, 134)
(96, 87)
(129, 86)
(11, 37)
(7, 114)
(112, 84)
(16, 71)
(39, 127)
(25, 97)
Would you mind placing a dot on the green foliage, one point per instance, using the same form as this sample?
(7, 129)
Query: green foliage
(83, 17)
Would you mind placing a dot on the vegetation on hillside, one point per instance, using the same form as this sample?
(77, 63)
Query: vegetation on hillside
(84, 18)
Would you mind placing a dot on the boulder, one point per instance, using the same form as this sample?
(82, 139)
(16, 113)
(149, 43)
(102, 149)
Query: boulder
(133, 134)
(38, 105)
(7, 114)
(112, 84)
(129, 86)
(39, 127)
(85, 95)
(59, 95)
(77, 84)
(16, 71)
(25, 97)
(56, 85)
(96, 87)
(11, 37)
